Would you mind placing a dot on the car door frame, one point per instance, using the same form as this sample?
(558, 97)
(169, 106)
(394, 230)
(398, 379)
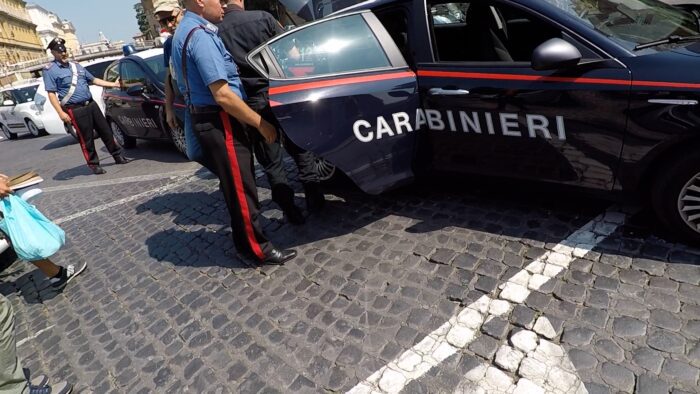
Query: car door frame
(383, 168)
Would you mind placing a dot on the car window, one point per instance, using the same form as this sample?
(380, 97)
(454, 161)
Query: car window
(112, 72)
(98, 69)
(157, 65)
(482, 31)
(631, 22)
(338, 45)
(24, 95)
(132, 74)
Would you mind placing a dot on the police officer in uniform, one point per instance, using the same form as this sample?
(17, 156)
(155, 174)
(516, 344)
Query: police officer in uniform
(208, 77)
(242, 31)
(67, 84)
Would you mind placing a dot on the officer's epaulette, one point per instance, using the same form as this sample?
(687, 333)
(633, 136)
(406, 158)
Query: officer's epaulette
(48, 66)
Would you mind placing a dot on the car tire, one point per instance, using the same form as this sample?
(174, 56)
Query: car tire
(33, 129)
(7, 133)
(324, 169)
(122, 139)
(675, 196)
(177, 136)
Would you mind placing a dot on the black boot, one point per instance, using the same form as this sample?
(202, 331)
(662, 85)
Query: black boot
(315, 200)
(119, 159)
(97, 170)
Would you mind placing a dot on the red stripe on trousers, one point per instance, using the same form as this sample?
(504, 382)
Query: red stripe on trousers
(236, 172)
(80, 136)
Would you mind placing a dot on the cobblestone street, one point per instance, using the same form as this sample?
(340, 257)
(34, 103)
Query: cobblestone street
(423, 290)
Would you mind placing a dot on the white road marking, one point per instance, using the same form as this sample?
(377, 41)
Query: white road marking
(119, 181)
(123, 200)
(546, 365)
(25, 340)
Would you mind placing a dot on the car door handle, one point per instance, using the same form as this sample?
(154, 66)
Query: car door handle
(447, 92)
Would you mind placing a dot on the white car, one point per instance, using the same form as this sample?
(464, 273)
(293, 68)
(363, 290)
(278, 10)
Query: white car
(25, 108)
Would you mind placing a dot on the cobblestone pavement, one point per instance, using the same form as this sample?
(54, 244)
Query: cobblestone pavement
(420, 290)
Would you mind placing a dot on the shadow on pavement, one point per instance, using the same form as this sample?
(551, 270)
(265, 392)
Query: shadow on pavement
(60, 143)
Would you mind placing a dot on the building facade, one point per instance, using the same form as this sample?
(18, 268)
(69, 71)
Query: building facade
(148, 9)
(19, 41)
(50, 26)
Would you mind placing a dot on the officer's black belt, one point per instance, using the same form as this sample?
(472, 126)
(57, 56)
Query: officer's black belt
(78, 105)
(205, 109)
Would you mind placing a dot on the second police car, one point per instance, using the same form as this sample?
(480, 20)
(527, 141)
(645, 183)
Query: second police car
(596, 94)
(136, 110)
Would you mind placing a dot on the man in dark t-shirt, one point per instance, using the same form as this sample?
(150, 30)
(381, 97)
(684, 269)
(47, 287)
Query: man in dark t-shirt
(242, 31)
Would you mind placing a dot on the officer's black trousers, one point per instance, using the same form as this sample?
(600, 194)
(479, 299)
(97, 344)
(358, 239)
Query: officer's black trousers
(85, 119)
(227, 147)
(270, 156)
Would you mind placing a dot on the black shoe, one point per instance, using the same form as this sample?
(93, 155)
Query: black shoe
(67, 274)
(279, 257)
(121, 159)
(97, 170)
(294, 215)
(59, 388)
(315, 200)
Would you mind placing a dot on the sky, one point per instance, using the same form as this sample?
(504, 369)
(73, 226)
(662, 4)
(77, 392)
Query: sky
(115, 18)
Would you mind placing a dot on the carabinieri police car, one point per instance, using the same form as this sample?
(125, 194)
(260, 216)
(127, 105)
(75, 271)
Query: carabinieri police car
(598, 94)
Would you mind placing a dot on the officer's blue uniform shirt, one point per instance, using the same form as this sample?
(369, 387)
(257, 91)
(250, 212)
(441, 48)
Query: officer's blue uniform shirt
(208, 60)
(57, 78)
(167, 50)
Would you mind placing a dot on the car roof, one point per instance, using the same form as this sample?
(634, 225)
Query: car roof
(22, 84)
(100, 60)
(148, 53)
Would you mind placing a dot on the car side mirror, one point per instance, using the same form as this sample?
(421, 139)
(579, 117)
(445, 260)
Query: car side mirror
(135, 91)
(555, 54)
(8, 103)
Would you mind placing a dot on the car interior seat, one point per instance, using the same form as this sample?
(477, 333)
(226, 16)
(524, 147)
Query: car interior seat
(485, 33)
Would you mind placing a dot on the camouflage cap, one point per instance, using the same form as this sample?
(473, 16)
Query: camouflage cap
(165, 6)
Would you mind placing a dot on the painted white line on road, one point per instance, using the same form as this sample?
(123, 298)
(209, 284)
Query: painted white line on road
(124, 200)
(539, 362)
(119, 181)
(25, 340)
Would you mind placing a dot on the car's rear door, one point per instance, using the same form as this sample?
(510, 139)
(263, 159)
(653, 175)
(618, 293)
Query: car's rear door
(340, 88)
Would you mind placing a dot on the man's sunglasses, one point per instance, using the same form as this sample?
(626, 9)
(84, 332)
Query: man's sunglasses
(171, 19)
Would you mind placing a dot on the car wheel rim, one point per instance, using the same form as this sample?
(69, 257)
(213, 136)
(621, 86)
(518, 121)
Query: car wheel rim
(32, 128)
(117, 132)
(689, 203)
(324, 169)
(178, 136)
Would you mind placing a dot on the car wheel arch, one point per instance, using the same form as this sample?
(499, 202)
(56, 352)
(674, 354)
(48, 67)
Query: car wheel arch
(659, 160)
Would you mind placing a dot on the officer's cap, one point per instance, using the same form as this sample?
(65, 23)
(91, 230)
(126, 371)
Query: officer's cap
(57, 44)
(165, 6)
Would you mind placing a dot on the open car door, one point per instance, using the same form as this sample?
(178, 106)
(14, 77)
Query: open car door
(341, 89)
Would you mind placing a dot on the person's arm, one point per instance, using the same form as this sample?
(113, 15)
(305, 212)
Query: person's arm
(234, 106)
(53, 99)
(170, 101)
(4, 186)
(105, 84)
(97, 81)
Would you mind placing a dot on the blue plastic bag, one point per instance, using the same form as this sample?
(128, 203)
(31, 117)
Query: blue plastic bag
(33, 236)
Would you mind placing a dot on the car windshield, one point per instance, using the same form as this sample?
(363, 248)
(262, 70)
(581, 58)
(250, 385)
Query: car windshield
(24, 95)
(632, 22)
(156, 64)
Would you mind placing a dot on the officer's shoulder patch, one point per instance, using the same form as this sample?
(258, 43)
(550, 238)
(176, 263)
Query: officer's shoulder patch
(48, 66)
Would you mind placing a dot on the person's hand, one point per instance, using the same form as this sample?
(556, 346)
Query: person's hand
(268, 131)
(117, 84)
(4, 186)
(65, 117)
(171, 119)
